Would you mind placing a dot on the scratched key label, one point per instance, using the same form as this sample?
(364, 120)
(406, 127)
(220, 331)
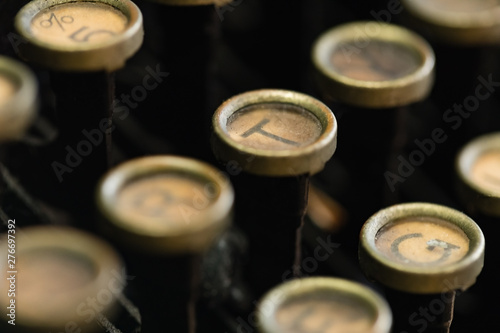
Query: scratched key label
(164, 201)
(325, 313)
(78, 23)
(271, 126)
(485, 172)
(374, 60)
(422, 242)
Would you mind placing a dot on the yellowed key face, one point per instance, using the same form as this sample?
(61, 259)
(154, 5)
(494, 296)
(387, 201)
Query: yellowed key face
(485, 171)
(274, 127)
(164, 201)
(422, 242)
(7, 89)
(324, 314)
(375, 61)
(51, 277)
(78, 24)
(464, 6)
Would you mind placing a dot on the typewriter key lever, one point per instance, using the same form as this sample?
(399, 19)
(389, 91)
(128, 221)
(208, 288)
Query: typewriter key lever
(165, 212)
(423, 254)
(271, 142)
(81, 44)
(323, 304)
(370, 73)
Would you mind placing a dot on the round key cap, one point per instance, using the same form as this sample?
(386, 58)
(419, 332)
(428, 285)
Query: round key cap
(274, 133)
(166, 204)
(478, 169)
(59, 278)
(321, 304)
(421, 248)
(18, 98)
(165, 211)
(466, 22)
(423, 254)
(80, 35)
(388, 66)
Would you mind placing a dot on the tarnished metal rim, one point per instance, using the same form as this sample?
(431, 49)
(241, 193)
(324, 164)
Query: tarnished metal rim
(194, 236)
(373, 94)
(271, 302)
(422, 279)
(484, 200)
(309, 159)
(109, 55)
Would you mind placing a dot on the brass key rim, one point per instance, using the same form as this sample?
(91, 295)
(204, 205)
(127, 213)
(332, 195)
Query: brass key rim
(193, 237)
(108, 55)
(17, 114)
(309, 159)
(276, 297)
(463, 28)
(421, 279)
(402, 91)
(107, 263)
(473, 194)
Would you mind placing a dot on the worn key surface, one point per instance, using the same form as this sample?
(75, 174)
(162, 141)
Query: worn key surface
(78, 23)
(325, 314)
(164, 201)
(274, 126)
(422, 242)
(374, 60)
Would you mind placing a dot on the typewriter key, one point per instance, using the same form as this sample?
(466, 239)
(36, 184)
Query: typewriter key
(165, 211)
(321, 304)
(59, 279)
(422, 253)
(81, 44)
(18, 99)
(275, 133)
(166, 204)
(462, 22)
(478, 170)
(371, 73)
(387, 67)
(79, 36)
(271, 141)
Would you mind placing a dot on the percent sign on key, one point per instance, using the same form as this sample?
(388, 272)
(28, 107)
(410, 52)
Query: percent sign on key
(78, 23)
(65, 19)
